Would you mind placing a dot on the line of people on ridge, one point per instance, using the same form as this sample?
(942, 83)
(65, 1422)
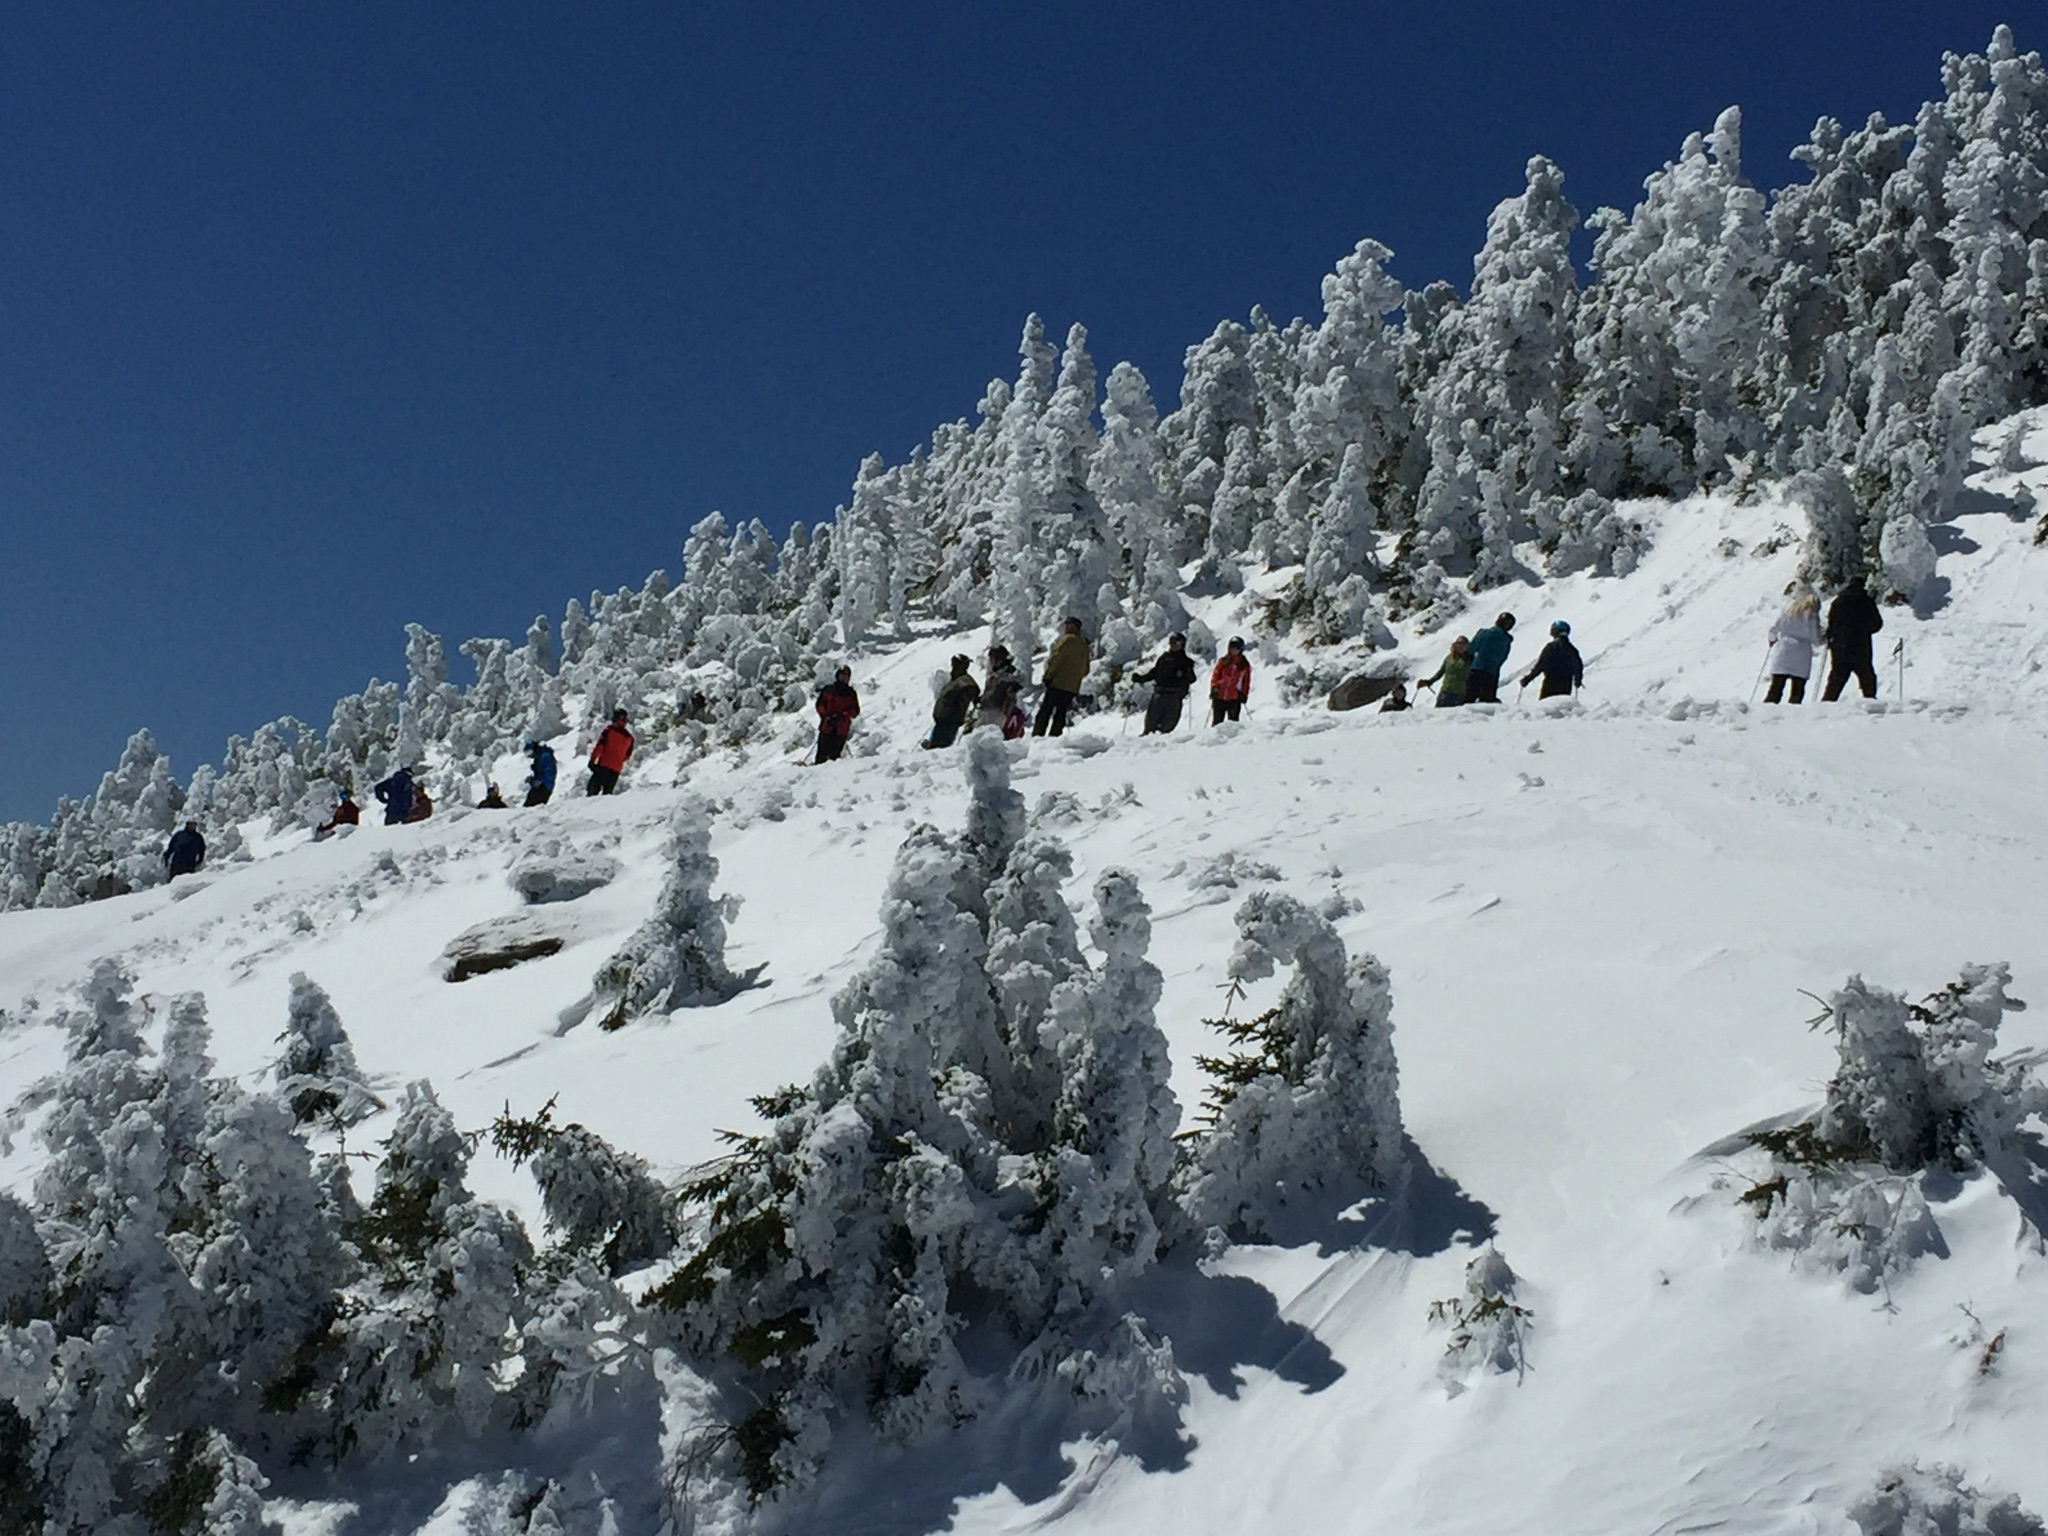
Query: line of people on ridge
(1470, 671)
(406, 800)
(997, 701)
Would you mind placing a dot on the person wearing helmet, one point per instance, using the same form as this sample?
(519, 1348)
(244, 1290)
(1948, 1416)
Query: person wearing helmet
(1230, 684)
(1489, 653)
(1559, 666)
(540, 776)
(608, 757)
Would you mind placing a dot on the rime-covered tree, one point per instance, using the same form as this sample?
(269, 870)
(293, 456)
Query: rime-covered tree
(676, 959)
(1311, 1095)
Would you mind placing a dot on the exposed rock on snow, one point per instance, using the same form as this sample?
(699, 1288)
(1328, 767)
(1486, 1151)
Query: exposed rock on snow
(504, 942)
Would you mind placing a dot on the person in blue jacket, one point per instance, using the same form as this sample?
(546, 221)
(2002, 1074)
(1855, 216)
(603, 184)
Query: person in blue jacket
(1489, 654)
(186, 852)
(1559, 666)
(540, 778)
(397, 793)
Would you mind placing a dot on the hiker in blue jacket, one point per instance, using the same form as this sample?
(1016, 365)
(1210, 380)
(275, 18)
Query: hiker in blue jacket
(540, 778)
(1559, 666)
(1489, 654)
(397, 793)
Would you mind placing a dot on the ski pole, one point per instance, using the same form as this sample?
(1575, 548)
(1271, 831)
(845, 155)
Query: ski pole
(1762, 667)
(1899, 651)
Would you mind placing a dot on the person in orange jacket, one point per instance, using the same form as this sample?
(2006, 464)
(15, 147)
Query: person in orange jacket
(608, 757)
(1230, 684)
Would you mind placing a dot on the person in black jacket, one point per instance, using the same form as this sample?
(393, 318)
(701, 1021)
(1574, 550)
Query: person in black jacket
(1559, 666)
(1852, 619)
(187, 851)
(1171, 676)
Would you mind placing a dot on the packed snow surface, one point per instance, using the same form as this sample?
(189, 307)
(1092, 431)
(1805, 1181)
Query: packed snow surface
(1599, 915)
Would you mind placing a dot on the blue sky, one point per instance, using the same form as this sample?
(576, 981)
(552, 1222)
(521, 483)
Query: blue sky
(315, 320)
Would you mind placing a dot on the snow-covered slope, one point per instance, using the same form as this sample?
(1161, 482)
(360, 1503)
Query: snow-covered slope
(1599, 917)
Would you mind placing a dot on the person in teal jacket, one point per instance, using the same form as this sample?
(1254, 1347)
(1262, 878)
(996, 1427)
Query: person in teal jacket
(1489, 654)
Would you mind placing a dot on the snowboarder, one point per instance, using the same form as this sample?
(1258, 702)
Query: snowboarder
(1451, 676)
(492, 800)
(1066, 669)
(397, 793)
(1489, 652)
(608, 757)
(1171, 676)
(185, 852)
(540, 772)
(999, 694)
(1795, 635)
(1559, 666)
(346, 814)
(1852, 619)
(1396, 701)
(837, 705)
(1230, 684)
(955, 702)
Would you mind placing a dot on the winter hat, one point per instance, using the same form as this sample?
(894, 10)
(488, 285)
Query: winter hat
(1560, 628)
(1505, 621)
(1176, 639)
(961, 664)
(1236, 643)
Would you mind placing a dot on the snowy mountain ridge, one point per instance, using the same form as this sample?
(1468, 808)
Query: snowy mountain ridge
(1597, 917)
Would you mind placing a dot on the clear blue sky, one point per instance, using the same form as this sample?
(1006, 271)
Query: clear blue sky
(316, 319)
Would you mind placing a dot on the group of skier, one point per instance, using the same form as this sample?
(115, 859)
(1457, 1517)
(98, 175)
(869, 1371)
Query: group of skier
(1470, 671)
(1469, 674)
(1853, 621)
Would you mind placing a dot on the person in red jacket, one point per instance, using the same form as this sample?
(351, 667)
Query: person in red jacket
(1230, 684)
(837, 705)
(608, 757)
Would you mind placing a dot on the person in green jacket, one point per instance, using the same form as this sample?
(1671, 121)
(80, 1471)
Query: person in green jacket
(1452, 675)
(1066, 669)
(954, 704)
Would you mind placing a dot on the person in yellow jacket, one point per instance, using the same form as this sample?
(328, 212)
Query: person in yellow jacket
(1066, 669)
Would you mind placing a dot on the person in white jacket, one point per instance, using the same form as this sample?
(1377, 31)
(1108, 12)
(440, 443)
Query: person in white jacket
(1794, 638)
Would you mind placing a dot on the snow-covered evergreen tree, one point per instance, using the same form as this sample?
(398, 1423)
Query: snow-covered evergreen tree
(317, 1075)
(676, 959)
(1311, 1095)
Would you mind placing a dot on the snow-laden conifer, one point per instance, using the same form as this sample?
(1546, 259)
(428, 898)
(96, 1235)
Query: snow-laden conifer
(676, 959)
(985, 1148)
(1310, 1098)
(317, 1075)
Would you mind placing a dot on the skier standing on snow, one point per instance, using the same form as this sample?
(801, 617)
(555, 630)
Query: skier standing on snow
(1452, 675)
(1066, 669)
(1489, 654)
(955, 702)
(398, 793)
(608, 757)
(1852, 619)
(1795, 635)
(1230, 684)
(999, 694)
(837, 705)
(1171, 676)
(1559, 666)
(185, 852)
(540, 774)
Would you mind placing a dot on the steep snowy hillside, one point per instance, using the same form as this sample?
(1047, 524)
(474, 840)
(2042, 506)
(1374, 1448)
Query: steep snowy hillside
(1600, 917)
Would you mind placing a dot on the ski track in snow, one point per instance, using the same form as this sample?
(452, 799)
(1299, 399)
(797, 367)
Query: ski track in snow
(1598, 917)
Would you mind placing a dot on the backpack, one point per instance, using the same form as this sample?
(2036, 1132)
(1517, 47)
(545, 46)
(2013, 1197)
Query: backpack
(1013, 723)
